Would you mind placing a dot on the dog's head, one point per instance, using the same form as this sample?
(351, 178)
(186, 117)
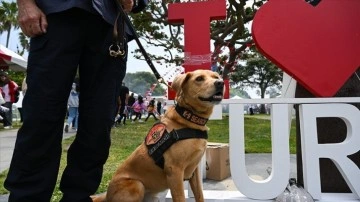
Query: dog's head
(200, 88)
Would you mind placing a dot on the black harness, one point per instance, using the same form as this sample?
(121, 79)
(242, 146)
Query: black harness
(157, 150)
(159, 139)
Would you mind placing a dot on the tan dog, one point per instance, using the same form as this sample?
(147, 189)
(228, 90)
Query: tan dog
(196, 94)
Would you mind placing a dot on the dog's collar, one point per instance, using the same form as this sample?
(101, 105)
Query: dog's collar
(190, 116)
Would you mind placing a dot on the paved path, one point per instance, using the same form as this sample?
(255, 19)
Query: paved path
(7, 143)
(257, 165)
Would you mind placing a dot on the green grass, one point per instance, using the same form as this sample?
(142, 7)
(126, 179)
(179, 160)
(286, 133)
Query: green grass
(15, 125)
(257, 133)
(126, 139)
(2, 178)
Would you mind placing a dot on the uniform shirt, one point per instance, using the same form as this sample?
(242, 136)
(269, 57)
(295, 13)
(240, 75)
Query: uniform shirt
(54, 6)
(106, 8)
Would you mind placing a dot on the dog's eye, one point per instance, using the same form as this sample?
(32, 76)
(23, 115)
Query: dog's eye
(199, 78)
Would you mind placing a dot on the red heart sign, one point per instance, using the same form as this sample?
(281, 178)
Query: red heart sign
(317, 45)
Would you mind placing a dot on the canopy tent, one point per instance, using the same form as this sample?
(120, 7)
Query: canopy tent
(135, 94)
(11, 60)
(236, 97)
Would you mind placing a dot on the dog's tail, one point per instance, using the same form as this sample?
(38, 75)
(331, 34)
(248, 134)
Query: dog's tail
(99, 198)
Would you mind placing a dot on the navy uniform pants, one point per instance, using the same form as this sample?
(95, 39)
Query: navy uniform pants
(75, 39)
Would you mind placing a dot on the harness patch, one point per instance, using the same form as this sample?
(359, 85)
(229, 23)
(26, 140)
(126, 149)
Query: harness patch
(158, 140)
(155, 134)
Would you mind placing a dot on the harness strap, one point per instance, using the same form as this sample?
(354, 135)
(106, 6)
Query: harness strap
(157, 150)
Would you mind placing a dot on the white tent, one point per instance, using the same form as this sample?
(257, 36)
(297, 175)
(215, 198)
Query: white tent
(11, 60)
(135, 94)
(236, 97)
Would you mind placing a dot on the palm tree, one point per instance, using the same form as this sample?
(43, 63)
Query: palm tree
(8, 15)
(24, 43)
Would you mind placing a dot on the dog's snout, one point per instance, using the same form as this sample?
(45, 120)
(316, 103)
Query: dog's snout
(219, 84)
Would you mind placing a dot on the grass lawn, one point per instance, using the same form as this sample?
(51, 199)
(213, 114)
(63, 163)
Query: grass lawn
(126, 138)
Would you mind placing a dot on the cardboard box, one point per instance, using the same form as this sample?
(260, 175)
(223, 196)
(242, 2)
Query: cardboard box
(217, 161)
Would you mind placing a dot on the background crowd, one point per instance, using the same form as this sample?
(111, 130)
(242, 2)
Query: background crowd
(130, 106)
(9, 94)
(134, 107)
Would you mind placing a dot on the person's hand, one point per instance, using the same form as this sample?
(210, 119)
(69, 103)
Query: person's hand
(31, 19)
(127, 5)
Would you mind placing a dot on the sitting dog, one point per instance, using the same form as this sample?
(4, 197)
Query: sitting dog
(173, 147)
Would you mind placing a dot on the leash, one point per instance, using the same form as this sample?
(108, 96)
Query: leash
(118, 47)
(125, 18)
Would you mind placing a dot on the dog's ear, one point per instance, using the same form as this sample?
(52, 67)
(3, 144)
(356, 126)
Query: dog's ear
(179, 81)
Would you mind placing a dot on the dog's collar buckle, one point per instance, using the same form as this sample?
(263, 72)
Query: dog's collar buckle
(190, 116)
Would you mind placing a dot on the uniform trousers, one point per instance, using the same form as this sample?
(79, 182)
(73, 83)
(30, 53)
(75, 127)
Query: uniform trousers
(76, 40)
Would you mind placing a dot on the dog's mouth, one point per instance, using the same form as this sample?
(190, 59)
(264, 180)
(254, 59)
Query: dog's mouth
(217, 97)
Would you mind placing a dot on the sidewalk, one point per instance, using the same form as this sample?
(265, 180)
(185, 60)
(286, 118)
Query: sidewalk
(257, 164)
(7, 143)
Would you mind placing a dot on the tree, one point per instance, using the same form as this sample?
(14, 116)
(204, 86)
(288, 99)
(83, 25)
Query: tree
(141, 82)
(8, 15)
(232, 34)
(24, 43)
(152, 26)
(239, 92)
(273, 92)
(231, 37)
(258, 72)
(17, 76)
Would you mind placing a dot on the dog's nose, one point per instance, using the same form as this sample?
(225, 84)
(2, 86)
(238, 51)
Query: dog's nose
(219, 84)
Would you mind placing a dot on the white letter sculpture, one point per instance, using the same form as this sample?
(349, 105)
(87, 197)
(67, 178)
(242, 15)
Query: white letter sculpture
(278, 179)
(312, 151)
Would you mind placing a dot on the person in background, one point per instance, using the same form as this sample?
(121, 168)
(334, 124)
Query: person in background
(122, 103)
(73, 108)
(23, 91)
(138, 107)
(18, 104)
(76, 81)
(9, 90)
(131, 101)
(67, 37)
(151, 110)
(158, 107)
(3, 109)
(165, 107)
